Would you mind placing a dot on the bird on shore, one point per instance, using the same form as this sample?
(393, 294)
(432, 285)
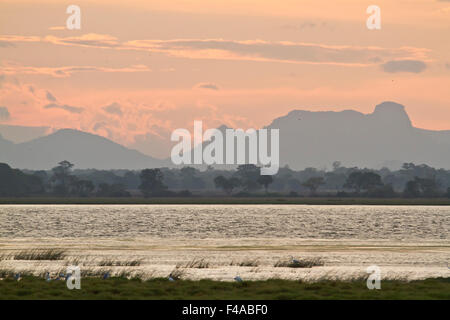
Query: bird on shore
(68, 275)
(17, 276)
(47, 277)
(295, 261)
(171, 279)
(238, 279)
(106, 275)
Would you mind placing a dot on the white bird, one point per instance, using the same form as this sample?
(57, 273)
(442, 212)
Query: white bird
(171, 279)
(295, 261)
(238, 279)
(47, 277)
(17, 276)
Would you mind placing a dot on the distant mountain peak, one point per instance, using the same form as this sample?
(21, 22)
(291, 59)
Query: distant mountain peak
(85, 150)
(392, 113)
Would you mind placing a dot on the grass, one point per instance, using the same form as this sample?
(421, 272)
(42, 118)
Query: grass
(230, 200)
(196, 263)
(246, 263)
(114, 263)
(177, 273)
(302, 263)
(122, 288)
(38, 254)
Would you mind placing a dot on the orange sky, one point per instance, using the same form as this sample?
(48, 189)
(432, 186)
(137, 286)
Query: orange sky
(135, 72)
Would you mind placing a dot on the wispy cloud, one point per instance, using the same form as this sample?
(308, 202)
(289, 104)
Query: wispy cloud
(286, 52)
(65, 107)
(207, 85)
(66, 71)
(57, 28)
(413, 66)
(114, 108)
(50, 97)
(249, 50)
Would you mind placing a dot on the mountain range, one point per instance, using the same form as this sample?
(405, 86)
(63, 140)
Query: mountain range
(383, 138)
(83, 149)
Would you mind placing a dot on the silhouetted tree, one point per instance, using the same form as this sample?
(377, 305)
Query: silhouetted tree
(313, 184)
(14, 182)
(265, 180)
(83, 188)
(152, 182)
(360, 180)
(248, 174)
(112, 190)
(421, 187)
(226, 184)
(62, 179)
(190, 178)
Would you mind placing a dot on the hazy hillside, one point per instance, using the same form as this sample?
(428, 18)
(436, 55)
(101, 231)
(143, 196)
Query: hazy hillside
(85, 150)
(382, 138)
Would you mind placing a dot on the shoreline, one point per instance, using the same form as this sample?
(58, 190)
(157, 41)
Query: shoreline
(228, 201)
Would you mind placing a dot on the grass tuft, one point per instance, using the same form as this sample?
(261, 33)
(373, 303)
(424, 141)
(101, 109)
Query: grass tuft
(39, 254)
(299, 263)
(197, 264)
(114, 263)
(246, 263)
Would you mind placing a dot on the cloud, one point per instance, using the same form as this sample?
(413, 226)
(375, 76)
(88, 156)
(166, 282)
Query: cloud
(6, 44)
(88, 40)
(207, 85)
(286, 52)
(245, 50)
(113, 108)
(65, 107)
(67, 71)
(4, 113)
(50, 97)
(413, 66)
(57, 28)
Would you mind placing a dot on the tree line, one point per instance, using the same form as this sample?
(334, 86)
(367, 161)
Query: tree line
(64, 180)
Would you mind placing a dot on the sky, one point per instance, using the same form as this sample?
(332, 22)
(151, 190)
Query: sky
(137, 70)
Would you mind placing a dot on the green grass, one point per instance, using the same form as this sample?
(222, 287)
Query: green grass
(230, 200)
(122, 288)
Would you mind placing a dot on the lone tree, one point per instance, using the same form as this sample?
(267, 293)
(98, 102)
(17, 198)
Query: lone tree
(225, 184)
(313, 184)
(265, 180)
(152, 182)
(62, 179)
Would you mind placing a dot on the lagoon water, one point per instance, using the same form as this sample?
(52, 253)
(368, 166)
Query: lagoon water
(408, 242)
